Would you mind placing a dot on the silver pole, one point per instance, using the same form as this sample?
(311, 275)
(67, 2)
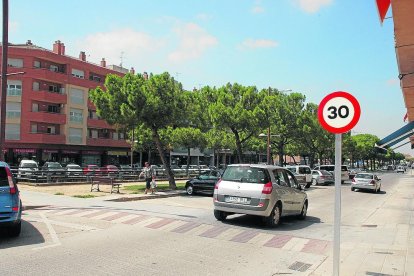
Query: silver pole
(337, 218)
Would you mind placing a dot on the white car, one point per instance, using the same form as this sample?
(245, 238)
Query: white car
(400, 169)
(366, 181)
(27, 167)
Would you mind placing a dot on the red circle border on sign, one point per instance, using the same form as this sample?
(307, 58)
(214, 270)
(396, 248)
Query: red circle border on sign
(357, 112)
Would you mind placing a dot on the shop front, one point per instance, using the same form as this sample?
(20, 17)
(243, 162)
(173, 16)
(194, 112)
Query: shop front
(91, 157)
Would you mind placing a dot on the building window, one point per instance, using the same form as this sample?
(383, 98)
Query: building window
(34, 128)
(53, 109)
(115, 136)
(35, 107)
(13, 110)
(15, 62)
(76, 115)
(121, 136)
(93, 133)
(12, 131)
(36, 86)
(75, 135)
(77, 96)
(78, 73)
(36, 64)
(51, 129)
(14, 88)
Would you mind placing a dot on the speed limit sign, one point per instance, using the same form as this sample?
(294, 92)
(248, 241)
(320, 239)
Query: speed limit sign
(339, 112)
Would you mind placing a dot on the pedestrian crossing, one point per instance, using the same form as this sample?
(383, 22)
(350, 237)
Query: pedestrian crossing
(193, 228)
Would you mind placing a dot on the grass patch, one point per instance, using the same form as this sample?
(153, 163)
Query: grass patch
(84, 196)
(59, 193)
(137, 189)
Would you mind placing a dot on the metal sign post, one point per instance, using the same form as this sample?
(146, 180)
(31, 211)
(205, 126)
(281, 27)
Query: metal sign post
(337, 218)
(338, 113)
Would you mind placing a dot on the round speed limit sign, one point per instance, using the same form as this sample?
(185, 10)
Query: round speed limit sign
(339, 112)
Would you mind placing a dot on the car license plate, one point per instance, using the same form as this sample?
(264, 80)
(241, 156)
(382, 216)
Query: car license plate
(236, 199)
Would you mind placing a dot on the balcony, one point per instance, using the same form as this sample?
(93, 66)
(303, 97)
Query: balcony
(49, 97)
(47, 117)
(96, 123)
(45, 138)
(107, 142)
(47, 74)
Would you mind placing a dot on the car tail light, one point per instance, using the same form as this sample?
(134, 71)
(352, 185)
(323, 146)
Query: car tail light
(322, 177)
(267, 188)
(11, 184)
(217, 184)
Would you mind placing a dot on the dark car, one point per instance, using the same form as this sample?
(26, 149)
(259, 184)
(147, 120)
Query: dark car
(73, 170)
(10, 203)
(53, 168)
(203, 183)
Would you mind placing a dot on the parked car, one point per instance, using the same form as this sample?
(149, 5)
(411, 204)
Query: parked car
(91, 170)
(366, 181)
(301, 178)
(331, 169)
(322, 177)
(27, 168)
(204, 183)
(73, 170)
(10, 202)
(53, 168)
(270, 192)
(126, 169)
(400, 169)
(302, 170)
(109, 170)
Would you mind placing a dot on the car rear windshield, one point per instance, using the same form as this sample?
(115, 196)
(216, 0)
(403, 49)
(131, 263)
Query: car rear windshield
(332, 168)
(28, 165)
(54, 166)
(304, 170)
(325, 172)
(364, 176)
(3, 177)
(246, 174)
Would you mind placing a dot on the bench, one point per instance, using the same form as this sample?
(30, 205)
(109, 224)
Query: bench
(102, 180)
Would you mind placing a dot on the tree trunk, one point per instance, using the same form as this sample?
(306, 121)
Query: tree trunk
(294, 160)
(281, 153)
(170, 175)
(188, 161)
(238, 145)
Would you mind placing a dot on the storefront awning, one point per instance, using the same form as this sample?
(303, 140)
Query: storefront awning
(397, 136)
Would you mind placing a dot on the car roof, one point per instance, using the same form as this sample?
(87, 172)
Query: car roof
(264, 166)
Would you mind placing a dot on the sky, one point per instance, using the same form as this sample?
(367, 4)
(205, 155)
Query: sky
(314, 47)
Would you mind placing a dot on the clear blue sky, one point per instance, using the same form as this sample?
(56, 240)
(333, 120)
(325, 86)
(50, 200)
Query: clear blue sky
(310, 46)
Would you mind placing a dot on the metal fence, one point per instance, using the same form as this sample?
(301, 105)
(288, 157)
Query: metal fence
(50, 176)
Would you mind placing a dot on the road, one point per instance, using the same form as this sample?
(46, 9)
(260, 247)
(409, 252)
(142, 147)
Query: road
(180, 236)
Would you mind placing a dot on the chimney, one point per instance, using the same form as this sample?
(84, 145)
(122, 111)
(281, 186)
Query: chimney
(132, 71)
(59, 48)
(103, 62)
(82, 56)
(29, 42)
(145, 75)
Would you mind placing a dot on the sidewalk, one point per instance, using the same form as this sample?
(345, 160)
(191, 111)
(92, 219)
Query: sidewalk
(384, 244)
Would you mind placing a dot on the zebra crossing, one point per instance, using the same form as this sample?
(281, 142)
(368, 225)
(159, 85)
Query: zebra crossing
(194, 228)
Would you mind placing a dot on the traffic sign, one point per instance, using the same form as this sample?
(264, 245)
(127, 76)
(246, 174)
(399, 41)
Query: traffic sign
(339, 112)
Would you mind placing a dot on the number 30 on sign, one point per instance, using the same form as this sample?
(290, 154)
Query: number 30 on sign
(339, 112)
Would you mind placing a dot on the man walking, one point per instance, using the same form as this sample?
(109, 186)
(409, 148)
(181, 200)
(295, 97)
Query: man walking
(149, 175)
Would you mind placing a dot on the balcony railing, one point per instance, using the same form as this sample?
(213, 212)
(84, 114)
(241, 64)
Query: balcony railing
(13, 114)
(45, 138)
(47, 117)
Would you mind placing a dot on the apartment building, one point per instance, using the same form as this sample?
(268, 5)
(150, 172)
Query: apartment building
(49, 116)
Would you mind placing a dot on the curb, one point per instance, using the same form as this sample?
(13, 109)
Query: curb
(155, 196)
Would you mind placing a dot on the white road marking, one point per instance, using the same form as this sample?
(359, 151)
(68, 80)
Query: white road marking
(52, 232)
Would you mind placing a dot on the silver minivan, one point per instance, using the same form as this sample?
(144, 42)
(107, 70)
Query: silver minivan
(262, 190)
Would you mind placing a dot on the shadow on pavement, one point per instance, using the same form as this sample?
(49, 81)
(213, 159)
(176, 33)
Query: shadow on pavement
(370, 192)
(29, 235)
(287, 223)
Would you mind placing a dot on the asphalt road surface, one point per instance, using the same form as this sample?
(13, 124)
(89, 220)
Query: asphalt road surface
(180, 236)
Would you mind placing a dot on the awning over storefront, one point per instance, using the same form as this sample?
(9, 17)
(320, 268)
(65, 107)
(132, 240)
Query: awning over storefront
(397, 136)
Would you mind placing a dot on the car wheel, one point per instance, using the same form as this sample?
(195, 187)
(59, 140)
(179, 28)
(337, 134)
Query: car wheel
(302, 215)
(352, 189)
(314, 182)
(274, 218)
(220, 215)
(14, 231)
(189, 190)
